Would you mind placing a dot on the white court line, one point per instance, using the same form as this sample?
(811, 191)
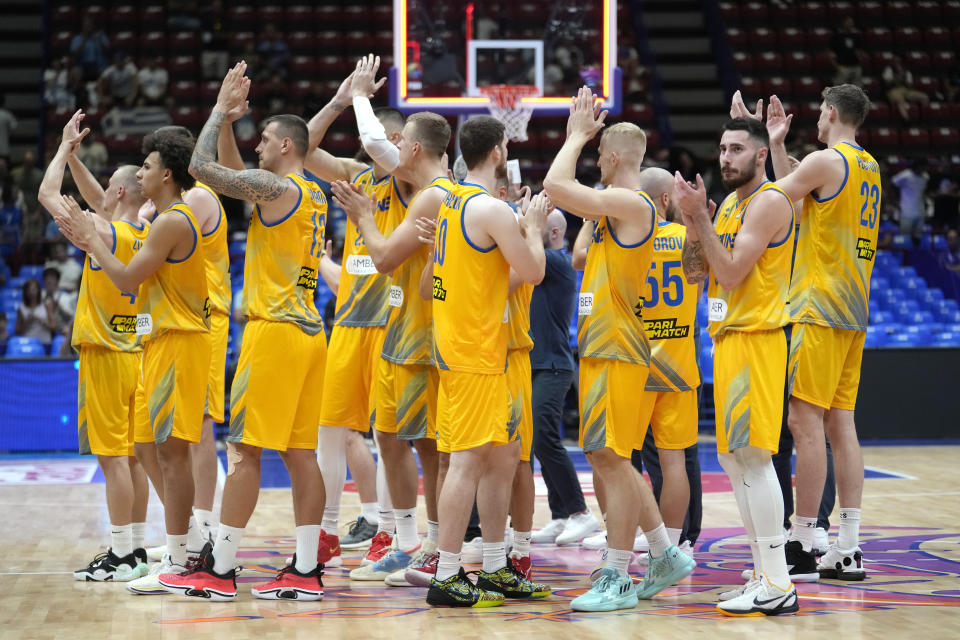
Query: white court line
(35, 573)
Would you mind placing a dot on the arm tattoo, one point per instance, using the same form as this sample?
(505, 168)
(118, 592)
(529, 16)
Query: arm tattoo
(253, 185)
(694, 264)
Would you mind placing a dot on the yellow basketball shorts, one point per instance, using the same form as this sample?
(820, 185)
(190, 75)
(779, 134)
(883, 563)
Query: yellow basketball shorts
(472, 410)
(610, 405)
(349, 397)
(216, 385)
(749, 371)
(407, 400)
(275, 398)
(825, 365)
(175, 367)
(672, 415)
(106, 400)
(520, 386)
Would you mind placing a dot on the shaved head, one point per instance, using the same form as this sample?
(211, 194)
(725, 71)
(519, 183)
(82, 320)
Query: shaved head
(554, 230)
(126, 177)
(658, 184)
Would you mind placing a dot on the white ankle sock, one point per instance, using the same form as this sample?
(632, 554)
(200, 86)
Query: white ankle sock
(494, 556)
(773, 561)
(308, 539)
(433, 531)
(521, 542)
(139, 530)
(369, 512)
(407, 537)
(674, 535)
(619, 560)
(177, 549)
(849, 535)
(195, 540)
(658, 540)
(206, 521)
(225, 548)
(121, 540)
(332, 460)
(448, 565)
(385, 520)
(803, 530)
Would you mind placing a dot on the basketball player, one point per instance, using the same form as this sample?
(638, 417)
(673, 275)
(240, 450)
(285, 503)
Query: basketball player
(478, 240)
(407, 381)
(176, 317)
(841, 191)
(104, 332)
(746, 256)
(362, 307)
(614, 350)
(273, 404)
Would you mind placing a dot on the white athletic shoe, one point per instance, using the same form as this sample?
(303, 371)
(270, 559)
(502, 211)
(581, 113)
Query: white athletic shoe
(766, 599)
(686, 547)
(595, 543)
(149, 585)
(155, 554)
(548, 535)
(640, 543)
(748, 575)
(398, 578)
(837, 564)
(821, 543)
(739, 591)
(472, 552)
(578, 527)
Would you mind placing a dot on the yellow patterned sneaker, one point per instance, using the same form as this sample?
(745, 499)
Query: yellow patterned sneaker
(511, 583)
(458, 591)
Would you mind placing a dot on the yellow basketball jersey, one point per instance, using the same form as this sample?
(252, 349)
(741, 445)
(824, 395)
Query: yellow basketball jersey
(518, 318)
(469, 292)
(218, 260)
(410, 326)
(176, 294)
(107, 317)
(669, 313)
(283, 261)
(759, 303)
(363, 297)
(610, 310)
(835, 248)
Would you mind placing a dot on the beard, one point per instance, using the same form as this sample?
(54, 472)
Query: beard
(672, 213)
(500, 172)
(740, 178)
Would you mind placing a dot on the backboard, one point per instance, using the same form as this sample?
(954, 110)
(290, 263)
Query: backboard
(445, 50)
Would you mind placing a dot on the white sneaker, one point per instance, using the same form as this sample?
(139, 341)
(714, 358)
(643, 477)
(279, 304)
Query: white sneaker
(748, 575)
(149, 585)
(595, 543)
(640, 543)
(472, 552)
(837, 564)
(398, 578)
(686, 548)
(750, 585)
(155, 554)
(578, 527)
(766, 599)
(821, 543)
(548, 535)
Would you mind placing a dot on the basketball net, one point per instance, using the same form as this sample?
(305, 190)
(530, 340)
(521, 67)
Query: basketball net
(507, 106)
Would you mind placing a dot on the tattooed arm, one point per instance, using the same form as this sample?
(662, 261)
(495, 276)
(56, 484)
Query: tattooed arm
(694, 265)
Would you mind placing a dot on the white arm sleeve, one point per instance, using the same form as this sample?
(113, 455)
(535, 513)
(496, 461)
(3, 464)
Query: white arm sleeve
(373, 136)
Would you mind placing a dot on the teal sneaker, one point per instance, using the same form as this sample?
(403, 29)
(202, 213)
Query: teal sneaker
(668, 569)
(610, 592)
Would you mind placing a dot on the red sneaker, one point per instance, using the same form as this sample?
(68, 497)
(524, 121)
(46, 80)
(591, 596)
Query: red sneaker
(379, 547)
(290, 584)
(200, 581)
(521, 564)
(328, 551)
(420, 574)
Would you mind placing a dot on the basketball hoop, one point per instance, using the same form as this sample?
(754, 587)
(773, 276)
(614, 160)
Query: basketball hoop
(507, 106)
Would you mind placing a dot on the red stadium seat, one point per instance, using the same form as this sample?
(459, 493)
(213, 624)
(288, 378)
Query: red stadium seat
(811, 14)
(270, 14)
(183, 67)
(768, 61)
(184, 43)
(328, 17)
(907, 37)
(190, 117)
(791, 37)
(807, 88)
(185, 91)
(303, 66)
(778, 86)
(123, 143)
(881, 60)
(879, 114)
(797, 62)
(730, 13)
(935, 114)
(868, 14)
(938, 36)
(125, 41)
(382, 16)
(839, 10)
(951, 11)
(738, 38)
(884, 137)
(915, 139)
(153, 14)
(241, 18)
(944, 139)
(878, 37)
(743, 62)
(817, 38)
(762, 38)
(916, 61)
(65, 17)
(927, 84)
(638, 113)
(210, 89)
(331, 43)
(357, 43)
(301, 88)
(301, 43)
(153, 44)
(239, 40)
(124, 17)
(751, 88)
(753, 13)
(927, 13)
(300, 18)
(823, 62)
(943, 60)
(898, 13)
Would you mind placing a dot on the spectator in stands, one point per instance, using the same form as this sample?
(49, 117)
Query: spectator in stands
(68, 269)
(946, 203)
(7, 124)
(90, 48)
(64, 304)
(847, 50)
(11, 213)
(27, 179)
(4, 332)
(214, 57)
(118, 84)
(153, 81)
(898, 83)
(35, 318)
(55, 81)
(950, 257)
(93, 153)
(274, 50)
(912, 183)
(77, 86)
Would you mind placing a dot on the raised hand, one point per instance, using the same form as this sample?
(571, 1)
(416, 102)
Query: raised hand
(778, 122)
(534, 219)
(77, 225)
(739, 110)
(233, 91)
(364, 83)
(524, 201)
(344, 92)
(72, 135)
(692, 199)
(586, 118)
(237, 112)
(353, 200)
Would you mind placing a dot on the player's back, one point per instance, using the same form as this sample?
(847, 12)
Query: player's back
(218, 258)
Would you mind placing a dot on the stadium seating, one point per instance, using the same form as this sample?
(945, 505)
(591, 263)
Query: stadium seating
(21, 347)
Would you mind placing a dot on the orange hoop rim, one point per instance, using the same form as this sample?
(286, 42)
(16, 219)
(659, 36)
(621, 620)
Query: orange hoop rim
(508, 95)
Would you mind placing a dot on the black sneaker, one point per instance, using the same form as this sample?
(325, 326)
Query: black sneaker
(107, 567)
(511, 583)
(801, 565)
(360, 534)
(141, 555)
(458, 591)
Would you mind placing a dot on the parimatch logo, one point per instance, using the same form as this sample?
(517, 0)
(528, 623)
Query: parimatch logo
(307, 279)
(124, 324)
(864, 252)
(665, 329)
(439, 293)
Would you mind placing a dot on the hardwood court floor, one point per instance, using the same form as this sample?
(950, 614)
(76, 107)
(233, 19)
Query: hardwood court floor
(911, 546)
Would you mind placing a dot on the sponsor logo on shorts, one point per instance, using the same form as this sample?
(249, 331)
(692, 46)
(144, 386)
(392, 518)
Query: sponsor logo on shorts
(864, 251)
(665, 329)
(123, 324)
(439, 293)
(307, 279)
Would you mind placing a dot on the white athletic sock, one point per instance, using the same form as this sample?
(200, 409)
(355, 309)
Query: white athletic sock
(765, 501)
(407, 537)
(308, 539)
(433, 531)
(803, 530)
(121, 540)
(494, 556)
(385, 519)
(332, 460)
(225, 548)
(732, 467)
(139, 534)
(619, 560)
(773, 561)
(368, 511)
(658, 540)
(674, 535)
(448, 565)
(195, 539)
(849, 535)
(206, 521)
(177, 549)
(521, 542)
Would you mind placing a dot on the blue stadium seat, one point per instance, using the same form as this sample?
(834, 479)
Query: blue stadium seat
(948, 315)
(879, 284)
(946, 339)
(939, 243)
(23, 347)
(11, 293)
(35, 271)
(902, 241)
(706, 364)
(56, 345)
(880, 317)
(923, 331)
(932, 297)
(951, 327)
(237, 248)
(16, 282)
(915, 286)
(949, 303)
(904, 340)
(876, 337)
(885, 261)
(925, 241)
(921, 317)
(908, 272)
(888, 299)
(9, 307)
